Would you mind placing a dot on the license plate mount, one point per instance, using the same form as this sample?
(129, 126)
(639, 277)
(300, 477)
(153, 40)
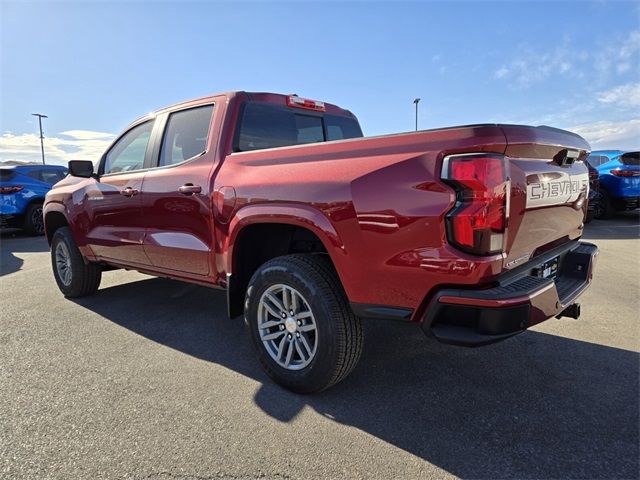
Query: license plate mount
(548, 269)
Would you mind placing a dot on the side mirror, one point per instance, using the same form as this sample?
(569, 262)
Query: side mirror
(81, 168)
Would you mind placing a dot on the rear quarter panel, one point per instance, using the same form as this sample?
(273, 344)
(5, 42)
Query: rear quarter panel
(382, 205)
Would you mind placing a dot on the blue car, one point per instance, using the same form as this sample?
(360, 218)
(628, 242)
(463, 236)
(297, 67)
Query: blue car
(22, 191)
(619, 175)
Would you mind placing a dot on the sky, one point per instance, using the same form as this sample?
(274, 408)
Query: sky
(93, 67)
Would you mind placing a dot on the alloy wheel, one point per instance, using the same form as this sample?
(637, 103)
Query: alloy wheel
(37, 221)
(63, 263)
(287, 327)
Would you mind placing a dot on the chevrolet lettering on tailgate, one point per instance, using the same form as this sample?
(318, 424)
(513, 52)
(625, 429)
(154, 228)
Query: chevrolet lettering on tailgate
(556, 188)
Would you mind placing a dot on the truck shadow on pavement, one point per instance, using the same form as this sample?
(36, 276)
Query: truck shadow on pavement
(536, 405)
(15, 241)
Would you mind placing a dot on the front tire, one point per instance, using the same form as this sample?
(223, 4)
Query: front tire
(75, 277)
(33, 220)
(301, 326)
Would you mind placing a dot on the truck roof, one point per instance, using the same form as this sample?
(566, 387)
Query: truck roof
(267, 97)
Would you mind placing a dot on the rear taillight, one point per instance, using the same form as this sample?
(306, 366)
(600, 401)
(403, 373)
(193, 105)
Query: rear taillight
(477, 222)
(626, 173)
(11, 189)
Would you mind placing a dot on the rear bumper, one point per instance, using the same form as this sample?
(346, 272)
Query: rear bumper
(626, 203)
(519, 301)
(11, 221)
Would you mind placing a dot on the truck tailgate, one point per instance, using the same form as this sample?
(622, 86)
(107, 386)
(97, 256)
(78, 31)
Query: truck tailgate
(549, 190)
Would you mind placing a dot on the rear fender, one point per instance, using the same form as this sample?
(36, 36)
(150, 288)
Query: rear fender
(291, 214)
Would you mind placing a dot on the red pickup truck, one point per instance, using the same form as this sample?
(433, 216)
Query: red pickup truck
(471, 232)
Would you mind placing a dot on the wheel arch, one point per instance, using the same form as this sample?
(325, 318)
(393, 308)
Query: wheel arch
(35, 200)
(260, 233)
(54, 218)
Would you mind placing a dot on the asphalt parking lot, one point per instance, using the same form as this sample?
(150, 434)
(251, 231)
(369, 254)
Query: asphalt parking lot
(149, 379)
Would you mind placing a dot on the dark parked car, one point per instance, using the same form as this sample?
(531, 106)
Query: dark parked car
(22, 191)
(594, 209)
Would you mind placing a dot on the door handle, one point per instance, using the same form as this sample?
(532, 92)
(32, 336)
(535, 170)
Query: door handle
(129, 192)
(190, 189)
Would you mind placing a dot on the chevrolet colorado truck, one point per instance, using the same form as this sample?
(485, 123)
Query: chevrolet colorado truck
(472, 232)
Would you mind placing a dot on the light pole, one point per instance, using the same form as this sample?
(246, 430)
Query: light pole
(40, 117)
(416, 101)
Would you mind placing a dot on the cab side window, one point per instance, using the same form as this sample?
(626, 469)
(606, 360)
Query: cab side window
(185, 135)
(128, 153)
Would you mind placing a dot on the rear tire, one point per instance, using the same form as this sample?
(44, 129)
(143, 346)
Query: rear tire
(75, 277)
(606, 208)
(33, 220)
(589, 216)
(318, 341)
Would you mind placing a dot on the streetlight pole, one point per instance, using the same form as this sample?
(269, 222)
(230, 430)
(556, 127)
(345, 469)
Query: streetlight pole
(40, 117)
(416, 101)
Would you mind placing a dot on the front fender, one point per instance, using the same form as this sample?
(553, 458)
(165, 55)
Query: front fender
(57, 206)
(52, 207)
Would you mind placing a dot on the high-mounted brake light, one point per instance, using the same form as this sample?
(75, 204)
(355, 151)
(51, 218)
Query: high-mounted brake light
(294, 101)
(478, 221)
(12, 189)
(626, 173)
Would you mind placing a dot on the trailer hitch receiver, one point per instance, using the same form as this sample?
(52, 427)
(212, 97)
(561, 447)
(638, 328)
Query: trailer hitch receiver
(572, 311)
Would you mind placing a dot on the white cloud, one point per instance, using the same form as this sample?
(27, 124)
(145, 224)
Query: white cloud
(86, 134)
(619, 58)
(68, 145)
(623, 67)
(630, 47)
(532, 66)
(501, 72)
(623, 95)
(624, 135)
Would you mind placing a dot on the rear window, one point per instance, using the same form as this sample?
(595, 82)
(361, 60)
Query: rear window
(6, 174)
(340, 128)
(52, 176)
(270, 126)
(630, 158)
(47, 175)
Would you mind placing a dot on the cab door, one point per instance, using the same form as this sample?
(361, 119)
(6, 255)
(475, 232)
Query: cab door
(116, 228)
(176, 201)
